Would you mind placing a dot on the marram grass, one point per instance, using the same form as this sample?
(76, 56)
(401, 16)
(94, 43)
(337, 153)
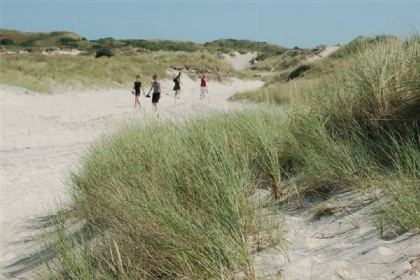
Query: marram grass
(175, 200)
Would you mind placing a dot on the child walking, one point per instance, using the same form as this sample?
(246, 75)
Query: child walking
(137, 92)
(203, 87)
(177, 87)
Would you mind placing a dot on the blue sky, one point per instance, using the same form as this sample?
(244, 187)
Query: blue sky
(305, 24)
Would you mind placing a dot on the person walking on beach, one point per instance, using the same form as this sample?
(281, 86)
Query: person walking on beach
(177, 87)
(203, 87)
(136, 91)
(156, 92)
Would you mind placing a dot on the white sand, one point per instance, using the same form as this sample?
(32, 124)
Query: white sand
(43, 137)
(239, 61)
(345, 245)
(324, 53)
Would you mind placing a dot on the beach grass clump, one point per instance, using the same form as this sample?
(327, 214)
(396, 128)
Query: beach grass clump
(355, 126)
(173, 201)
(280, 93)
(360, 129)
(378, 90)
(397, 188)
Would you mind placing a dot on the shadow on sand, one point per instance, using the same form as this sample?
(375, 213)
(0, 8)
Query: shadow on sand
(32, 264)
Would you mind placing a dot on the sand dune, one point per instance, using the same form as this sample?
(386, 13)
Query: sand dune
(43, 137)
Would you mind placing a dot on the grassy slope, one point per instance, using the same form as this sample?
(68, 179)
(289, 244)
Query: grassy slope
(281, 66)
(38, 39)
(42, 73)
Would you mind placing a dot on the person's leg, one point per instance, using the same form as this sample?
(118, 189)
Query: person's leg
(201, 93)
(155, 100)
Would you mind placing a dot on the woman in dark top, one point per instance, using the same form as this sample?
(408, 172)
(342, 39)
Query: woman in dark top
(137, 92)
(156, 92)
(177, 87)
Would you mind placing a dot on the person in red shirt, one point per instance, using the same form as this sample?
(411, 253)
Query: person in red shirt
(203, 87)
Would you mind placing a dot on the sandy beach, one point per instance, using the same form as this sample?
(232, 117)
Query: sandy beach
(44, 136)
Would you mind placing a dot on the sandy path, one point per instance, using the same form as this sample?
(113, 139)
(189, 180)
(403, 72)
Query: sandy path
(43, 137)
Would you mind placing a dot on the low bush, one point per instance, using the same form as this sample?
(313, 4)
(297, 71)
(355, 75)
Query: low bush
(69, 42)
(7, 42)
(104, 52)
(298, 72)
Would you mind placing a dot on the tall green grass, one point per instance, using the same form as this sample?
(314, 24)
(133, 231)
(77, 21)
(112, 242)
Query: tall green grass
(175, 200)
(378, 90)
(360, 128)
(278, 92)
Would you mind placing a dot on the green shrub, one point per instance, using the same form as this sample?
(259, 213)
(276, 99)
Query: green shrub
(70, 42)
(7, 42)
(28, 43)
(104, 52)
(298, 72)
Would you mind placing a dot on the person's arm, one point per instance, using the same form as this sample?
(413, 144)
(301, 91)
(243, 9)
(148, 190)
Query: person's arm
(144, 92)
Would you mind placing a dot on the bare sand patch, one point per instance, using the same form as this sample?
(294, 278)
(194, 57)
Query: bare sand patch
(326, 52)
(240, 61)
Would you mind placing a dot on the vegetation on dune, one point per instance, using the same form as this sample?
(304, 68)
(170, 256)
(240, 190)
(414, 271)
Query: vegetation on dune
(164, 45)
(360, 127)
(43, 40)
(293, 64)
(41, 73)
(243, 46)
(180, 207)
(362, 42)
(69, 39)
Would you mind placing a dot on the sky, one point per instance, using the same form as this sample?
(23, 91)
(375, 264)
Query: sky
(304, 24)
